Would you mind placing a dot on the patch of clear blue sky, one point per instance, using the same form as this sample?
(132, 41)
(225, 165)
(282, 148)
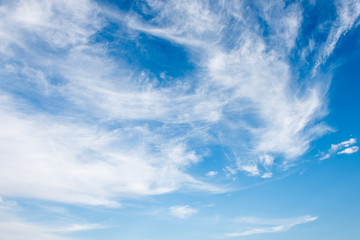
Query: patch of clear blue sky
(155, 56)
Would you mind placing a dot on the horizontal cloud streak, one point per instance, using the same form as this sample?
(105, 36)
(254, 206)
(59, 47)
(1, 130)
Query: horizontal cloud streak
(348, 12)
(182, 211)
(290, 223)
(13, 227)
(349, 150)
(341, 148)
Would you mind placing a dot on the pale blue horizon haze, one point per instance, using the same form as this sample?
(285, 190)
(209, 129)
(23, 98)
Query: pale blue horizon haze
(194, 119)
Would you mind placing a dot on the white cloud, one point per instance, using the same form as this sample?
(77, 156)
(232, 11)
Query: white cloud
(283, 115)
(13, 227)
(229, 171)
(59, 23)
(285, 21)
(6, 204)
(267, 175)
(103, 130)
(86, 164)
(251, 169)
(348, 12)
(16, 229)
(335, 147)
(182, 211)
(267, 160)
(284, 225)
(326, 156)
(349, 150)
(263, 163)
(211, 173)
(341, 148)
(82, 158)
(112, 132)
(78, 227)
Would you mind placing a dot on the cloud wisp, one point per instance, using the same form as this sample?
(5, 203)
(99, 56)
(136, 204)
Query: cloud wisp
(349, 150)
(182, 212)
(14, 227)
(348, 13)
(19, 229)
(211, 173)
(344, 147)
(285, 225)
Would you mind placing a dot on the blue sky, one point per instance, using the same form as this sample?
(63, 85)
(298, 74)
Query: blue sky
(196, 120)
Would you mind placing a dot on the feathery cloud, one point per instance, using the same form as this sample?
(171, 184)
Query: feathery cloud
(182, 211)
(348, 12)
(15, 227)
(285, 226)
(99, 128)
(349, 150)
(341, 148)
(211, 173)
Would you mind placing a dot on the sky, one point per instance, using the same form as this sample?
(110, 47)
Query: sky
(194, 119)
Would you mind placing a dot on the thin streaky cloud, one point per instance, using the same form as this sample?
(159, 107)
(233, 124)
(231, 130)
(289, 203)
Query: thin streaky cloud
(326, 156)
(18, 229)
(211, 173)
(349, 150)
(340, 148)
(335, 147)
(182, 212)
(348, 12)
(290, 223)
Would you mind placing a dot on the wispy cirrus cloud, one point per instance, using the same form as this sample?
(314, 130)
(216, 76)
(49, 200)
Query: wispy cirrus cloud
(92, 165)
(63, 122)
(281, 225)
(182, 211)
(344, 144)
(211, 173)
(348, 12)
(99, 128)
(86, 121)
(278, 122)
(19, 229)
(14, 227)
(344, 147)
(349, 150)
